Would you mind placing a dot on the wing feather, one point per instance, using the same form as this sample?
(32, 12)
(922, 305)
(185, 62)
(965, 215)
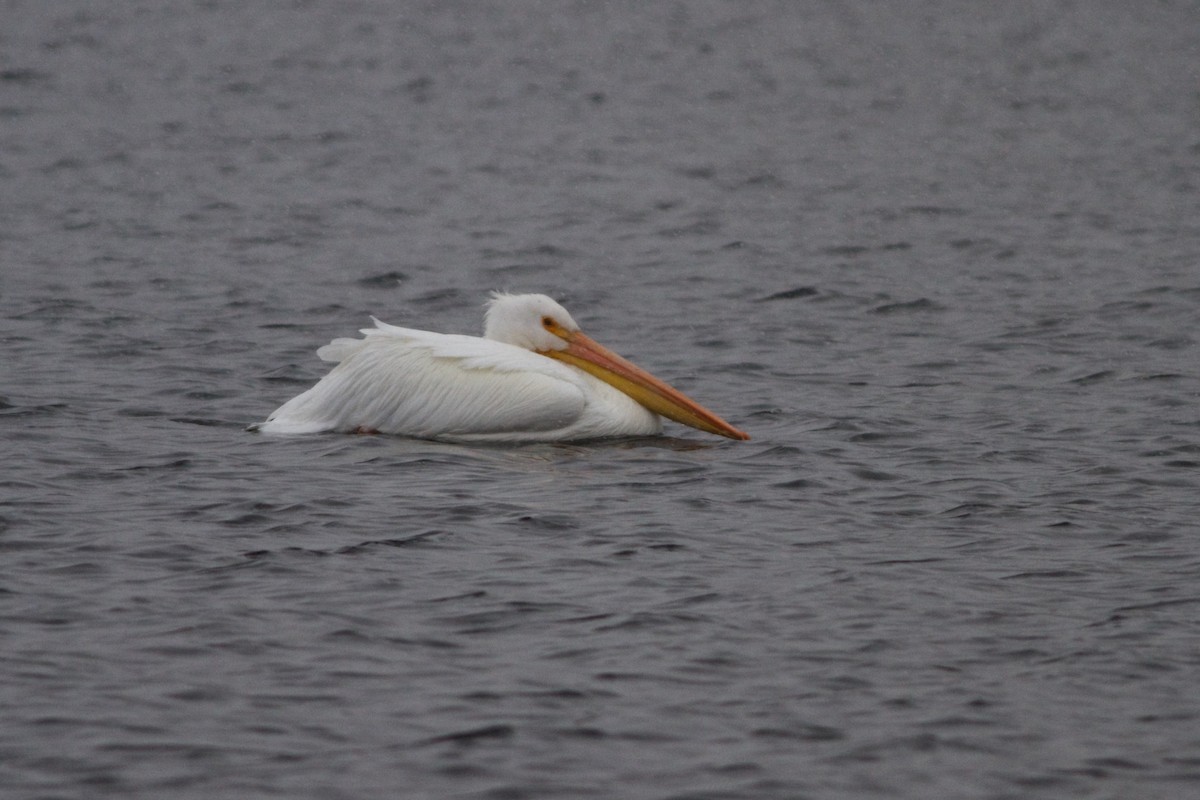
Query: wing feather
(417, 383)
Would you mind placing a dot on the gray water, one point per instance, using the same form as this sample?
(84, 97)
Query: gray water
(941, 261)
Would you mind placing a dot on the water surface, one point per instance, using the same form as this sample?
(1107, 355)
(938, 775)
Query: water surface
(940, 262)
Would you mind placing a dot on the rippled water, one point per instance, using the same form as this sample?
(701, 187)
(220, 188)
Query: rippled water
(941, 261)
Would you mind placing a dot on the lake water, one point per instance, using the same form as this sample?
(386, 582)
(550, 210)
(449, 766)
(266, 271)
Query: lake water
(941, 261)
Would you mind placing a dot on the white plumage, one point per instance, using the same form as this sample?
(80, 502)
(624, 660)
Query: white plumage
(519, 383)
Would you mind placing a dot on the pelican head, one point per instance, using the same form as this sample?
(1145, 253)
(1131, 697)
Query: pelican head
(535, 322)
(532, 321)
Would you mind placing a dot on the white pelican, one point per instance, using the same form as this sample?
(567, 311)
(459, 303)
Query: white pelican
(533, 377)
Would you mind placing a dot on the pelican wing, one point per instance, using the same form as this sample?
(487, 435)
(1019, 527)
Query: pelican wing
(417, 383)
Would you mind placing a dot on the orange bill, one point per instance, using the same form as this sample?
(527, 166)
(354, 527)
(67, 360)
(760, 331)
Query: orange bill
(583, 352)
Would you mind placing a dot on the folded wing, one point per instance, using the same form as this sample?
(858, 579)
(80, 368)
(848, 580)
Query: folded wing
(418, 383)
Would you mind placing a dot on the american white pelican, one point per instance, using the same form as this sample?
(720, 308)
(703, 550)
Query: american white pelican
(533, 377)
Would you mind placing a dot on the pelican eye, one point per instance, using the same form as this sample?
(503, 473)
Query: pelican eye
(547, 322)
